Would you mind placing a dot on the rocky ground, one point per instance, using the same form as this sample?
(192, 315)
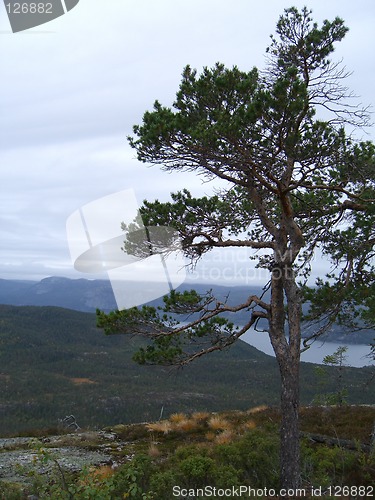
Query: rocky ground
(22, 457)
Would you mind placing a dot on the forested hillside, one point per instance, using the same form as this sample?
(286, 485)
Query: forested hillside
(55, 362)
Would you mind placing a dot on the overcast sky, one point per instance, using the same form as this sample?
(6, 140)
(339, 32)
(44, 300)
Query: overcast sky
(71, 90)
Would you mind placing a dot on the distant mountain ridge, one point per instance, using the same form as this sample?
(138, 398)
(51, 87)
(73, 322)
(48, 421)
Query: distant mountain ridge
(88, 295)
(76, 294)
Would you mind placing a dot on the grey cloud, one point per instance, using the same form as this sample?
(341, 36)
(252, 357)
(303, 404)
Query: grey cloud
(70, 97)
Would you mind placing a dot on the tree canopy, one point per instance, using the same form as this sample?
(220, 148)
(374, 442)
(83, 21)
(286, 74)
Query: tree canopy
(296, 181)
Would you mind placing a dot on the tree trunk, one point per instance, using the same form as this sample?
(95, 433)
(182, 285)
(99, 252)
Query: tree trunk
(289, 430)
(288, 357)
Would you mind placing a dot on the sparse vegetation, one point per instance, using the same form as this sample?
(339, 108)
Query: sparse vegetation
(218, 423)
(244, 451)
